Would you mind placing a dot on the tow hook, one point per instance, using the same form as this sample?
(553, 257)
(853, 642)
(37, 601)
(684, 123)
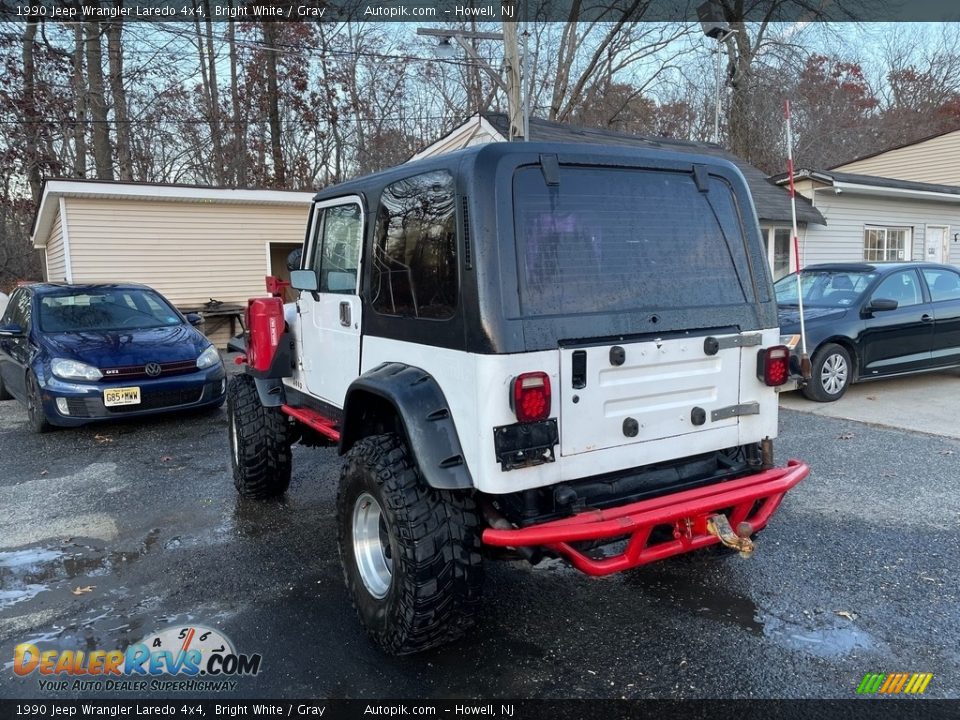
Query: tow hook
(719, 526)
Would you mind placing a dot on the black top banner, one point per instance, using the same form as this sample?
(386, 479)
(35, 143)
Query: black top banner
(458, 11)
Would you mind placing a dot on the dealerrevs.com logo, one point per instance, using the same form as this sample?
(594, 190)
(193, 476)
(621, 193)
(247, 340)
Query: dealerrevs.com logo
(194, 657)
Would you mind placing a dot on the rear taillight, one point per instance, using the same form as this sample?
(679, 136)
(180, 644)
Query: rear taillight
(773, 365)
(531, 396)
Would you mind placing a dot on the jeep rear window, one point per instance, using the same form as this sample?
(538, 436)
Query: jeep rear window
(607, 239)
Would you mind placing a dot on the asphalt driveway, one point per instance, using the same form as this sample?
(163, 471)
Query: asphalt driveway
(110, 533)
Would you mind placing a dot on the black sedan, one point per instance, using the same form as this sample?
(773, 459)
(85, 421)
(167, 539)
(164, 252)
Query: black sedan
(871, 320)
(75, 354)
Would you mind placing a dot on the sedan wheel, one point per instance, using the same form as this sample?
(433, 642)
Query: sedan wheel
(832, 374)
(35, 414)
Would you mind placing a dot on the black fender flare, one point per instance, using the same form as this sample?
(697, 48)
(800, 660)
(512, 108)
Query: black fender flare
(424, 418)
(270, 390)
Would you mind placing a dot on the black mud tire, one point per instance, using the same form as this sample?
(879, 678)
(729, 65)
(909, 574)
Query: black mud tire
(36, 417)
(259, 442)
(4, 393)
(433, 539)
(830, 363)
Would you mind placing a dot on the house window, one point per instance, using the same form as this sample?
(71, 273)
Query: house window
(886, 243)
(779, 248)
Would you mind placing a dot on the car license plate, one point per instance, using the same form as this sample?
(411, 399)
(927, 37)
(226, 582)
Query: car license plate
(121, 396)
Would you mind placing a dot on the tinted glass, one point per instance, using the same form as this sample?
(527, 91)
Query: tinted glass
(903, 286)
(607, 240)
(943, 284)
(415, 248)
(822, 288)
(105, 310)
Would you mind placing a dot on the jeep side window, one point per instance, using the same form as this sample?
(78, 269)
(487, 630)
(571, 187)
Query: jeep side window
(337, 248)
(415, 248)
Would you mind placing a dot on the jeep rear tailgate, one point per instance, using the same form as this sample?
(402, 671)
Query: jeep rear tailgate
(626, 393)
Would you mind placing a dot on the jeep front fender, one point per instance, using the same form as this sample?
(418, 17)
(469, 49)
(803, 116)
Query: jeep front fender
(425, 420)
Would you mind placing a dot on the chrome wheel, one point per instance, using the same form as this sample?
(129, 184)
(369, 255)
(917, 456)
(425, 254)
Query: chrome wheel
(234, 443)
(834, 374)
(371, 546)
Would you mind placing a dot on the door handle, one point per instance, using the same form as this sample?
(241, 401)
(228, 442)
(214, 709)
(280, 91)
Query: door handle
(345, 313)
(926, 318)
(579, 369)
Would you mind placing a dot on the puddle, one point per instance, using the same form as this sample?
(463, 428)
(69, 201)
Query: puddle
(9, 598)
(28, 558)
(24, 574)
(822, 642)
(722, 605)
(705, 599)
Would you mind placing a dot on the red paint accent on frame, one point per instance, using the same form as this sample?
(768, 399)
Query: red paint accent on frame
(314, 420)
(686, 511)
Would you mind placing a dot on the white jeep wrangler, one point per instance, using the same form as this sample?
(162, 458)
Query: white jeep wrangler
(521, 350)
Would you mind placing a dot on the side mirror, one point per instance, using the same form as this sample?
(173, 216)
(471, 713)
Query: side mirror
(304, 280)
(11, 330)
(195, 319)
(882, 305)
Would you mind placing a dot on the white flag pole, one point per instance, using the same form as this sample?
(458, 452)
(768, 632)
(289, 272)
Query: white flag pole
(804, 358)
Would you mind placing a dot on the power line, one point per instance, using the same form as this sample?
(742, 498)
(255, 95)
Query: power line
(226, 121)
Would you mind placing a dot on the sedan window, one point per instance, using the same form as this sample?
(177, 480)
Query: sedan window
(107, 310)
(902, 286)
(824, 288)
(943, 284)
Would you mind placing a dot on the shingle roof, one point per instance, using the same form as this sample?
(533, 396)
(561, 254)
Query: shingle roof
(772, 202)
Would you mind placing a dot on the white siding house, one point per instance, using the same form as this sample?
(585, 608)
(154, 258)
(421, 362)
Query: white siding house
(934, 159)
(871, 218)
(193, 244)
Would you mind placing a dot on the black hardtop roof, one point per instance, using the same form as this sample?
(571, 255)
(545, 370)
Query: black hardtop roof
(772, 202)
(493, 152)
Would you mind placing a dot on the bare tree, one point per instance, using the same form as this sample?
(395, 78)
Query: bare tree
(211, 94)
(30, 110)
(238, 154)
(117, 91)
(102, 153)
(78, 85)
(270, 31)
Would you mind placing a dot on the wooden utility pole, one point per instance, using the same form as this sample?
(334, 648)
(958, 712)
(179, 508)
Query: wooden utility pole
(511, 56)
(513, 87)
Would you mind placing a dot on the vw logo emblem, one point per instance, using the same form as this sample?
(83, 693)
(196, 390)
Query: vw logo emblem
(153, 369)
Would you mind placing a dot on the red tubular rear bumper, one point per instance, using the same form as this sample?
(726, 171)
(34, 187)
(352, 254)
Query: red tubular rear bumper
(753, 499)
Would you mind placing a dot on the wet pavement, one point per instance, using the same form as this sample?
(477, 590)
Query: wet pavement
(109, 534)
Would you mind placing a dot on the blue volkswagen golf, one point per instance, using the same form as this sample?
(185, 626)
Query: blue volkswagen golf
(74, 354)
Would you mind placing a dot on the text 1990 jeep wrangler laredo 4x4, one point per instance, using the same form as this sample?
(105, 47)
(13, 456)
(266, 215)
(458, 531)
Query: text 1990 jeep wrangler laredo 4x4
(521, 349)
